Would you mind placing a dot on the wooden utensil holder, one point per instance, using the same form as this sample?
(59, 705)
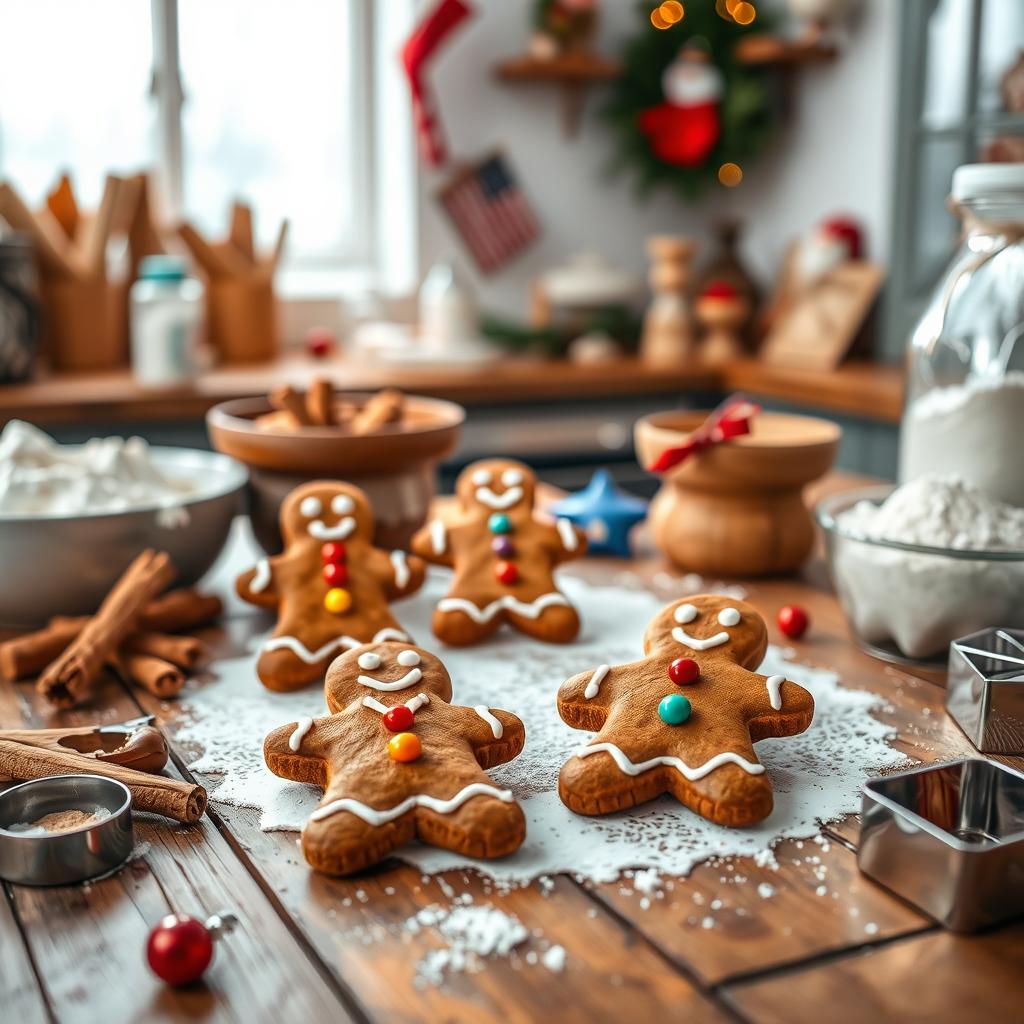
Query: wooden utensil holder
(736, 509)
(85, 322)
(241, 318)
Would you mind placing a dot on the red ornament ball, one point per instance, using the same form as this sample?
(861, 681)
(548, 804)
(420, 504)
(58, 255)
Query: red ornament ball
(179, 949)
(683, 671)
(506, 573)
(793, 621)
(720, 290)
(320, 342)
(398, 719)
(336, 574)
(333, 553)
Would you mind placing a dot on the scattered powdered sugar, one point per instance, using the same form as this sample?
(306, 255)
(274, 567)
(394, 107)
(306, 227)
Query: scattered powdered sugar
(816, 775)
(972, 429)
(924, 601)
(471, 934)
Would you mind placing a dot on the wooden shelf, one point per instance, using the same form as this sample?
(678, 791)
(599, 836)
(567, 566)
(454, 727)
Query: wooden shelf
(865, 390)
(774, 51)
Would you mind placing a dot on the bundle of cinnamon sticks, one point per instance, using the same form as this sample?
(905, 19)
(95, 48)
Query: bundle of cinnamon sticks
(133, 632)
(320, 407)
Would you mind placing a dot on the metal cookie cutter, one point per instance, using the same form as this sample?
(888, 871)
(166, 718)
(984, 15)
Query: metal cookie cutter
(985, 689)
(33, 856)
(950, 839)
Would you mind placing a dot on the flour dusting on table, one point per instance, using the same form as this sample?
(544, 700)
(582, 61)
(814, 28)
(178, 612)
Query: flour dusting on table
(816, 776)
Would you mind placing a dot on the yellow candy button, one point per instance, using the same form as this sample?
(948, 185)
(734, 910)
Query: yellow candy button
(405, 747)
(337, 600)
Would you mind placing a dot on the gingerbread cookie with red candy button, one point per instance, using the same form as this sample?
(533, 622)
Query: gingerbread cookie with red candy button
(503, 556)
(397, 762)
(683, 719)
(330, 586)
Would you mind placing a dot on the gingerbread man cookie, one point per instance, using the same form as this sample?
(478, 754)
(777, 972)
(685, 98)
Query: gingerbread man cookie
(397, 762)
(503, 559)
(331, 586)
(683, 720)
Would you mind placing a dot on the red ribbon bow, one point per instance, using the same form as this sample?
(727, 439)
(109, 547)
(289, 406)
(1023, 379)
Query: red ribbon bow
(731, 419)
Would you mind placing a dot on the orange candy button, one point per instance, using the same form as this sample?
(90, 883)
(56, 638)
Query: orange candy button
(337, 600)
(405, 747)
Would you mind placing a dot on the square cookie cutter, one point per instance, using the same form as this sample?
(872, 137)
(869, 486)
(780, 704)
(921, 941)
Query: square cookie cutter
(949, 839)
(985, 689)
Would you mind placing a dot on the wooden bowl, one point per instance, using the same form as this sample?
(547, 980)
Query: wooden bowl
(736, 509)
(395, 465)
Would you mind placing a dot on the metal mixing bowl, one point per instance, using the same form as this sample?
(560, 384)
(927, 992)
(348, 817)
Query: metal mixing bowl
(66, 564)
(909, 602)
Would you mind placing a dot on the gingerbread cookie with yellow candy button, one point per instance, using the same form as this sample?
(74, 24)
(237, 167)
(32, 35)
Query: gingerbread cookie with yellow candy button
(330, 586)
(684, 718)
(503, 556)
(397, 762)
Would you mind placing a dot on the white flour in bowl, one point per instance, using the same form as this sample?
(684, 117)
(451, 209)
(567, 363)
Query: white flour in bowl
(974, 430)
(923, 602)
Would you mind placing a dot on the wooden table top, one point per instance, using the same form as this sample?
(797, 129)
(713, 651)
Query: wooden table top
(869, 390)
(312, 948)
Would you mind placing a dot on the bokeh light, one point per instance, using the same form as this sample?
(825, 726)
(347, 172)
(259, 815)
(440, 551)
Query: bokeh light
(658, 19)
(672, 11)
(730, 174)
(743, 13)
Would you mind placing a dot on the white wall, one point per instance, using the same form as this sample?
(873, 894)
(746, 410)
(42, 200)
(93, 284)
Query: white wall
(833, 155)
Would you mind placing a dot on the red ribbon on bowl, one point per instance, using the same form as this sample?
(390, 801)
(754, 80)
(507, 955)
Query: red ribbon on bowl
(731, 419)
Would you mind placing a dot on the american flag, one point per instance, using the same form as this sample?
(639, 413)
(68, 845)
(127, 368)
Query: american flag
(490, 213)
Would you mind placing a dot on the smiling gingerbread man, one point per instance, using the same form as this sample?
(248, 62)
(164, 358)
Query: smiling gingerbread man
(331, 586)
(683, 719)
(503, 556)
(398, 762)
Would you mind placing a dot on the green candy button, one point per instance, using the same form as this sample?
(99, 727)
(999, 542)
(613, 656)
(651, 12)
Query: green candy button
(499, 523)
(674, 709)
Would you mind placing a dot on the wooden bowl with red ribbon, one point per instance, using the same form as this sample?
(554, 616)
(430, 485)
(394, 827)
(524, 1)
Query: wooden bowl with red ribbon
(731, 499)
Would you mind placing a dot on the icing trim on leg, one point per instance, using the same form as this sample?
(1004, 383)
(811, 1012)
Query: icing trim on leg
(372, 816)
(301, 651)
(504, 603)
(690, 774)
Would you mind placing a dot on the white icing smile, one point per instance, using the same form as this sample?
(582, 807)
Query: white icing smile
(695, 643)
(411, 678)
(504, 500)
(319, 529)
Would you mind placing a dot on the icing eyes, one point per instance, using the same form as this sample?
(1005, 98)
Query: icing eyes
(310, 507)
(408, 658)
(686, 613)
(511, 477)
(342, 504)
(729, 617)
(369, 660)
(482, 477)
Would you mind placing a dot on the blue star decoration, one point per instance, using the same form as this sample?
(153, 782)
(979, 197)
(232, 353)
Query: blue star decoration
(604, 512)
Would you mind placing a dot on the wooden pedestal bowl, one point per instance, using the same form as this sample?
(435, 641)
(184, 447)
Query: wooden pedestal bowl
(395, 465)
(736, 509)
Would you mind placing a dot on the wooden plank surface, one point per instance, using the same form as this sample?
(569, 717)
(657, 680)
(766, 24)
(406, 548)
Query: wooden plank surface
(19, 985)
(873, 391)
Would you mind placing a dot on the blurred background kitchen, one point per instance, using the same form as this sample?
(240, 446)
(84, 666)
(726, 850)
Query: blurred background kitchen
(562, 214)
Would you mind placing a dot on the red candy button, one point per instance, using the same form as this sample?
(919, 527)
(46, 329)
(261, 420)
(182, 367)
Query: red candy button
(398, 719)
(333, 553)
(793, 621)
(507, 573)
(336, 574)
(683, 671)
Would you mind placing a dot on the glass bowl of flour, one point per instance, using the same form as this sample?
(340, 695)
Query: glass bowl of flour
(920, 565)
(72, 517)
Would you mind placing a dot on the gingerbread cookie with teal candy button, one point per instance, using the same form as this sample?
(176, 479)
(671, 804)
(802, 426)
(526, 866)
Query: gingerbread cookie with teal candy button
(503, 556)
(397, 761)
(330, 586)
(684, 718)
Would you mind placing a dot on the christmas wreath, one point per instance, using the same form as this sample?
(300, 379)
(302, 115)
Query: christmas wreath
(686, 112)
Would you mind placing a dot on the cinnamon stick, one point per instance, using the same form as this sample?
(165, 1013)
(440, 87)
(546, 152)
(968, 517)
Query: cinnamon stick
(182, 801)
(69, 680)
(185, 652)
(26, 655)
(159, 677)
(287, 398)
(318, 401)
(383, 407)
(180, 609)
